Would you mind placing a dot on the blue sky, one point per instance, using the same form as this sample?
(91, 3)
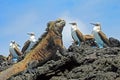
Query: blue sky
(17, 17)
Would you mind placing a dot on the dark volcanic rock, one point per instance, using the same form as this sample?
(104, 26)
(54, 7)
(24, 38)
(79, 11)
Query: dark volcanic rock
(2, 59)
(4, 64)
(114, 42)
(81, 63)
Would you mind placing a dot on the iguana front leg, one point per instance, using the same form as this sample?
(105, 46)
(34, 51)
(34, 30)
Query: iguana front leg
(59, 44)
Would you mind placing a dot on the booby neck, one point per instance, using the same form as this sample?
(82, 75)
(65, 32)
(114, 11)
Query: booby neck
(97, 28)
(32, 38)
(74, 27)
(12, 45)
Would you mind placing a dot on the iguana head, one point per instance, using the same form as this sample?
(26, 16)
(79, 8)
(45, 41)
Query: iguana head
(56, 26)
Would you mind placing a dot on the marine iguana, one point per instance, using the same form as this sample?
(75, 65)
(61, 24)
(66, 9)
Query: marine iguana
(44, 49)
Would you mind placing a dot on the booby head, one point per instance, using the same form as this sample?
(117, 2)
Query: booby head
(97, 26)
(14, 44)
(74, 26)
(32, 36)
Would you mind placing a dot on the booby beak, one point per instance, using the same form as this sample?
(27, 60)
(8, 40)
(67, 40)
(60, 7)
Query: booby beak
(28, 33)
(70, 23)
(93, 23)
(73, 23)
(31, 33)
(12, 41)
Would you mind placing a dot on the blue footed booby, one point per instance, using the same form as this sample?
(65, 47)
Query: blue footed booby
(28, 45)
(14, 51)
(76, 34)
(100, 38)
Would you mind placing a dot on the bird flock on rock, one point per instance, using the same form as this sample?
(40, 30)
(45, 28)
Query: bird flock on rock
(15, 51)
(99, 38)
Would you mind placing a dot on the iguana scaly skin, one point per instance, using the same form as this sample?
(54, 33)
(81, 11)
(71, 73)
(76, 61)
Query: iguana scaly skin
(47, 45)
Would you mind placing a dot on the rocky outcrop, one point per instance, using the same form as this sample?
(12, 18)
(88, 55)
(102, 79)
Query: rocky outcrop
(79, 63)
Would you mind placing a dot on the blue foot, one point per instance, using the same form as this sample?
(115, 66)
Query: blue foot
(100, 46)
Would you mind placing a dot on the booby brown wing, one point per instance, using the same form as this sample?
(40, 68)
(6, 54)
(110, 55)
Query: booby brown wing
(80, 35)
(104, 38)
(17, 51)
(88, 37)
(26, 45)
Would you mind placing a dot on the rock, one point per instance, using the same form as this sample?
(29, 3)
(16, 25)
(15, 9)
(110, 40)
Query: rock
(58, 78)
(2, 59)
(114, 42)
(81, 63)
